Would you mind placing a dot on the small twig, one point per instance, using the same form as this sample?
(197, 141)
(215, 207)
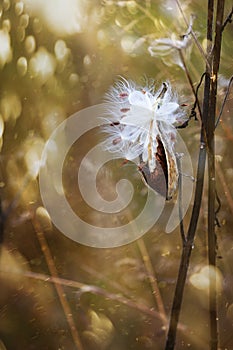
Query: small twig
(228, 19)
(217, 223)
(196, 94)
(224, 101)
(193, 112)
(193, 34)
(86, 288)
(190, 83)
(101, 277)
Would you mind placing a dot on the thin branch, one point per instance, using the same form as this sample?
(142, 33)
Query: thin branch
(101, 277)
(193, 112)
(86, 288)
(190, 83)
(224, 101)
(193, 34)
(228, 19)
(217, 223)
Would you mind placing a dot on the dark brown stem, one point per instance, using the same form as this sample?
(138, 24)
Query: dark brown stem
(210, 128)
(186, 253)
(187, 246)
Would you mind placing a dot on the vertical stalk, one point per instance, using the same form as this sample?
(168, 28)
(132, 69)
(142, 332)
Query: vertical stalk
(210, 128)
(188, 244)
(186, 252)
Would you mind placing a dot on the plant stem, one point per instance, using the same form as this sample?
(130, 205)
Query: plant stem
(210, 128)
(186, 252)
(188, 244)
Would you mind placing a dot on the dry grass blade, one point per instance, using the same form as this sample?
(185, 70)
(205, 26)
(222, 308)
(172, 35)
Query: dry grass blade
(153, 280)
(59, 288)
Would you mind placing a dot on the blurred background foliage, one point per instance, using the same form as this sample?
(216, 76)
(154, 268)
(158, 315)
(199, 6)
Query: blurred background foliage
(57, 57)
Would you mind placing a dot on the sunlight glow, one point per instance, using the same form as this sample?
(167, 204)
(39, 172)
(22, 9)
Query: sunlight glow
(61, 50)
(201, 280)
(10, 106)
(30, 44)
(32, 156)
(44, 219)
(5, 44)
(42, 65)
(22, 66)
(62, 17)
(127, 43)
(1, 125)
(19, 8)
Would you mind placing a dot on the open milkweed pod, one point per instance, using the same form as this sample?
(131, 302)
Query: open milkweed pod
(143, 124)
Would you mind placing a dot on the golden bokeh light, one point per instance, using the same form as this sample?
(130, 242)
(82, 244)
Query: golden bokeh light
(62, 17)
(1, 125)
(201, 280)
(19, 7)
(44, 219)
(33, 148)
(6, 50)
(22, 66)
(10, 106)
(30, 44)
(42, 65)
